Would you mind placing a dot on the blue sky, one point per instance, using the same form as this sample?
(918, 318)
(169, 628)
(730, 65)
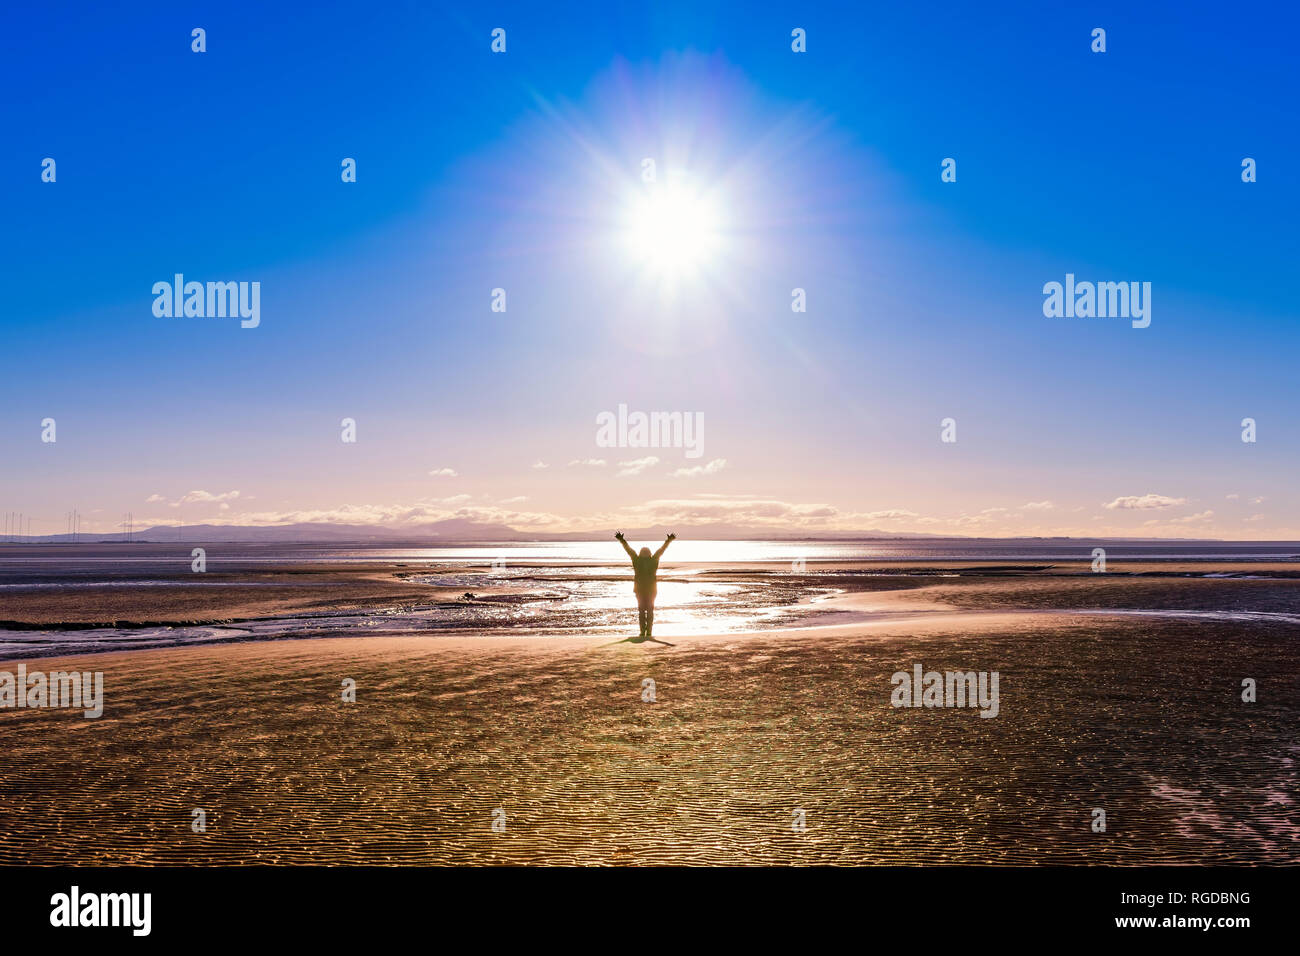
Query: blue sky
(479, 170)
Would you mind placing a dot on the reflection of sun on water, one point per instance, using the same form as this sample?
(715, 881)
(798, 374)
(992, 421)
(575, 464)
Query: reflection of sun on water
(685, 607)
(601, 600)
(594, 556)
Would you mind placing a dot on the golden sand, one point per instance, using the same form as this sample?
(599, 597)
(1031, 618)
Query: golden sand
(1140, 717)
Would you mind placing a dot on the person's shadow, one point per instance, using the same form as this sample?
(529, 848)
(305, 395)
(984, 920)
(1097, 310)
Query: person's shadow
(637, 640)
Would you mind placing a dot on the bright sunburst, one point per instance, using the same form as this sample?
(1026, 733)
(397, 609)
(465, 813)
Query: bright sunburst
(672, 230)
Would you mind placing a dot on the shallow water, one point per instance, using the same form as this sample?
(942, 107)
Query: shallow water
(596, 600)
(54, 561)
(573, 588)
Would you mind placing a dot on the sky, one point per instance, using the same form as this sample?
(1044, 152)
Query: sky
(524, 171)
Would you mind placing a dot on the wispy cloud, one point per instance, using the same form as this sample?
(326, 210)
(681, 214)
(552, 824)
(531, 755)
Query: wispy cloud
(423, 512)
(636, 466)
(749, 511)
(221, 499)
(1143, 502)
(712, 468)
(443, 473)
(1185, 519)
(740, 510)
(891, 514)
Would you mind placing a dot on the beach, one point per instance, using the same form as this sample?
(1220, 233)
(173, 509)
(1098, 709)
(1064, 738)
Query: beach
(555, 739)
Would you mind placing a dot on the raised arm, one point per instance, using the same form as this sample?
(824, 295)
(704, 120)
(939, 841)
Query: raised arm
(664, 547)
(626, 547)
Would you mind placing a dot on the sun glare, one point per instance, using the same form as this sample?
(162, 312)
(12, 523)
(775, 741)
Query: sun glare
(672, 231)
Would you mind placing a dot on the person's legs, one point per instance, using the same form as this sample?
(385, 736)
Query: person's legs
(643, 613)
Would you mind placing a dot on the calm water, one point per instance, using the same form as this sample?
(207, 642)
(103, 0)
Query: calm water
(53, 562)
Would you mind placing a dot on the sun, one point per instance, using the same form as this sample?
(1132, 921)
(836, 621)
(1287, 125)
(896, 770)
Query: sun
(671, 230)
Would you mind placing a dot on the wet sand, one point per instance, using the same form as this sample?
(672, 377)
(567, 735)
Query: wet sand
(217, 597)
(213, 597)
(1142, 718)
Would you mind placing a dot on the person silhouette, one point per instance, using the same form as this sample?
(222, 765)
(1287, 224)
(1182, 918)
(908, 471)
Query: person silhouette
(646, 569)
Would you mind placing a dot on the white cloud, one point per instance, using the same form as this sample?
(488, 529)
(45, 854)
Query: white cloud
(423, 512)
(1144, 502)
(1038, 506)
(539, 465)
(443, 473)
(587, 463)
(741, 510)
(712, 468)
(194, 496)
(197, 497)
(744, 510)
(636, 466)
(1185, 519)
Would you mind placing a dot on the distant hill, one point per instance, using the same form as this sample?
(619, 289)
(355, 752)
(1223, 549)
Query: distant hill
(463, 530)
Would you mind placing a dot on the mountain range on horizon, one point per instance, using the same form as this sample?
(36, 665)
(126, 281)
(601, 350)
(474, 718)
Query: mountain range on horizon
(466, 531)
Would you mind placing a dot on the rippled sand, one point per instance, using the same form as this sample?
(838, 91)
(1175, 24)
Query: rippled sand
(1141, 718)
